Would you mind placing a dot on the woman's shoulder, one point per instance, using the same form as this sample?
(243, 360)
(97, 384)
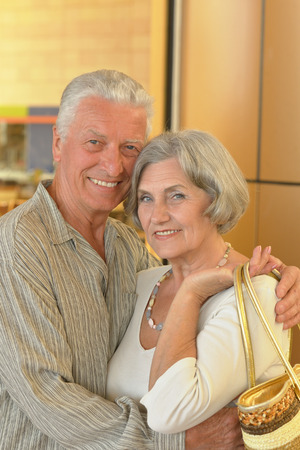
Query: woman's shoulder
(152, 274)
(265, 284)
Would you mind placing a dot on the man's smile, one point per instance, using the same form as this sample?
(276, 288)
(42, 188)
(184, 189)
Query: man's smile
(103, 183)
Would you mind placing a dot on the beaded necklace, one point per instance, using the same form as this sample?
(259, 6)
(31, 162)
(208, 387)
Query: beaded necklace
(152, 299)
(151, 302)
(225, 257)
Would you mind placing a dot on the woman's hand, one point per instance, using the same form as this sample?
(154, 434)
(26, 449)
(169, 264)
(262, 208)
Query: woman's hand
(262, 262)
(203, 284)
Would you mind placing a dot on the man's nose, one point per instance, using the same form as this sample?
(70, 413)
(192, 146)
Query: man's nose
(111, 160)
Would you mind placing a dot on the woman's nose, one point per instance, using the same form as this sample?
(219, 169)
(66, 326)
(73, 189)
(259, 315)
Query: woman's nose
(160, 213)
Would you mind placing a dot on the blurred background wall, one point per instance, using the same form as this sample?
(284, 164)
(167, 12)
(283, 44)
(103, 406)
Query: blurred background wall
(240, 80)
(43, 45)
(239, 76)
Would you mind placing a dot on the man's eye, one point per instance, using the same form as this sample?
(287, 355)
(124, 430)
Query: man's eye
(131, 150)
(93, 141)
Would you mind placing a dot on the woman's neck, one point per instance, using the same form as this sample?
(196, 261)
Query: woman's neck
(209, 256)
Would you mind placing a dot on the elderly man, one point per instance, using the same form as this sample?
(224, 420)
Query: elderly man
(68, 285)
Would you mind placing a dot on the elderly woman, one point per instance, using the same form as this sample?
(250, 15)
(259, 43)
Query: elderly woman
(187, 191)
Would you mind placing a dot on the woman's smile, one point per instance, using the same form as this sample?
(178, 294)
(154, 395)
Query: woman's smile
(166, 232)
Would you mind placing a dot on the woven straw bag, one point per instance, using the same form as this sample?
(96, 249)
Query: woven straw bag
(269, 413)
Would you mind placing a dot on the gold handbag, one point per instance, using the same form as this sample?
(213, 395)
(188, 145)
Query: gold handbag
(269, 413)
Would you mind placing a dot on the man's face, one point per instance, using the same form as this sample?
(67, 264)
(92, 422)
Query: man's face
(97, 158)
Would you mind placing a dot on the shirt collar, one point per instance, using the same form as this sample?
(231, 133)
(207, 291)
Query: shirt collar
(58, 229)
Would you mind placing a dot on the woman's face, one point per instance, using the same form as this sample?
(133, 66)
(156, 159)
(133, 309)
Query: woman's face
(170, 209)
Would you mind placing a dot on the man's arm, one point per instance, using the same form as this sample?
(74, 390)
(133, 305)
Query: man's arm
(288, 289)
(52, 367)
(221, 431)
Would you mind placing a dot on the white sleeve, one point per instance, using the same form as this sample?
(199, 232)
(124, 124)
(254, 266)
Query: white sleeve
(192, 390)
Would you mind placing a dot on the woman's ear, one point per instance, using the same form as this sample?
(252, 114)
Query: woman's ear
(56, 145)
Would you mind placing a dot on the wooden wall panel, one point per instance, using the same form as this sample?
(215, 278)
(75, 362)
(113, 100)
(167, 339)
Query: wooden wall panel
(243, 237)
(223, 43)
(280, 146)
(279, 221)
(220, 73)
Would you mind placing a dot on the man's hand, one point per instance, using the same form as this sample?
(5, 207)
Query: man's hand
(288, 289)
(221, 431)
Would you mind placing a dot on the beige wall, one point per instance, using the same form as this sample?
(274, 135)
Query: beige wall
(255, 114)
(220, 85)
(44, 44)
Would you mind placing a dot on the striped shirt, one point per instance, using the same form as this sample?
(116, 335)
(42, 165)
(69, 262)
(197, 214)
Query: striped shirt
(63, 312)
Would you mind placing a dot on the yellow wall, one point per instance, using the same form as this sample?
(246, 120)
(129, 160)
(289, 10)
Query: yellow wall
(44, 44)
(255, 114)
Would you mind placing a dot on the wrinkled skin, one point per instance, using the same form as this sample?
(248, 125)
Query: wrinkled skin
(221, 431)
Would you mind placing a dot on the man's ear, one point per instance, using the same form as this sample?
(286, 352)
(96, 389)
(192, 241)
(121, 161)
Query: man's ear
(56, 145)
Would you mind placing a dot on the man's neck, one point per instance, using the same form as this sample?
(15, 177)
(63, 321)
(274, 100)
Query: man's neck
(91, 228)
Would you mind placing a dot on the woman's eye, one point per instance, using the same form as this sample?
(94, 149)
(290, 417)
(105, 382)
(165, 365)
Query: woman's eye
(144, 199)
(178, 195)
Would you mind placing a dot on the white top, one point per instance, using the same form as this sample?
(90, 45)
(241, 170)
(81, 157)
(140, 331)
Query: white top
(192, 390)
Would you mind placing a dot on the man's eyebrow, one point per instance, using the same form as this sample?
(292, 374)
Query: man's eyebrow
(138, 141)
(90, 130)
(127, 141)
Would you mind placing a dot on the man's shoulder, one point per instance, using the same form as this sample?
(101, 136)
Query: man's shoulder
(128, 245)
(25, 226)
(123, 230)
(12, 220)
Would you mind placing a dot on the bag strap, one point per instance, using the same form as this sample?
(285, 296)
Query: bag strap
(245, 277)
(245, 326)
(238, 289)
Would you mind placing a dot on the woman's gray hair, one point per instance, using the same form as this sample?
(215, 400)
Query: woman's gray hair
(107, 84)
(207, 164)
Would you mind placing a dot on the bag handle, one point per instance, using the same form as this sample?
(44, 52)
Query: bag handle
(242, 274)
(244, 326)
